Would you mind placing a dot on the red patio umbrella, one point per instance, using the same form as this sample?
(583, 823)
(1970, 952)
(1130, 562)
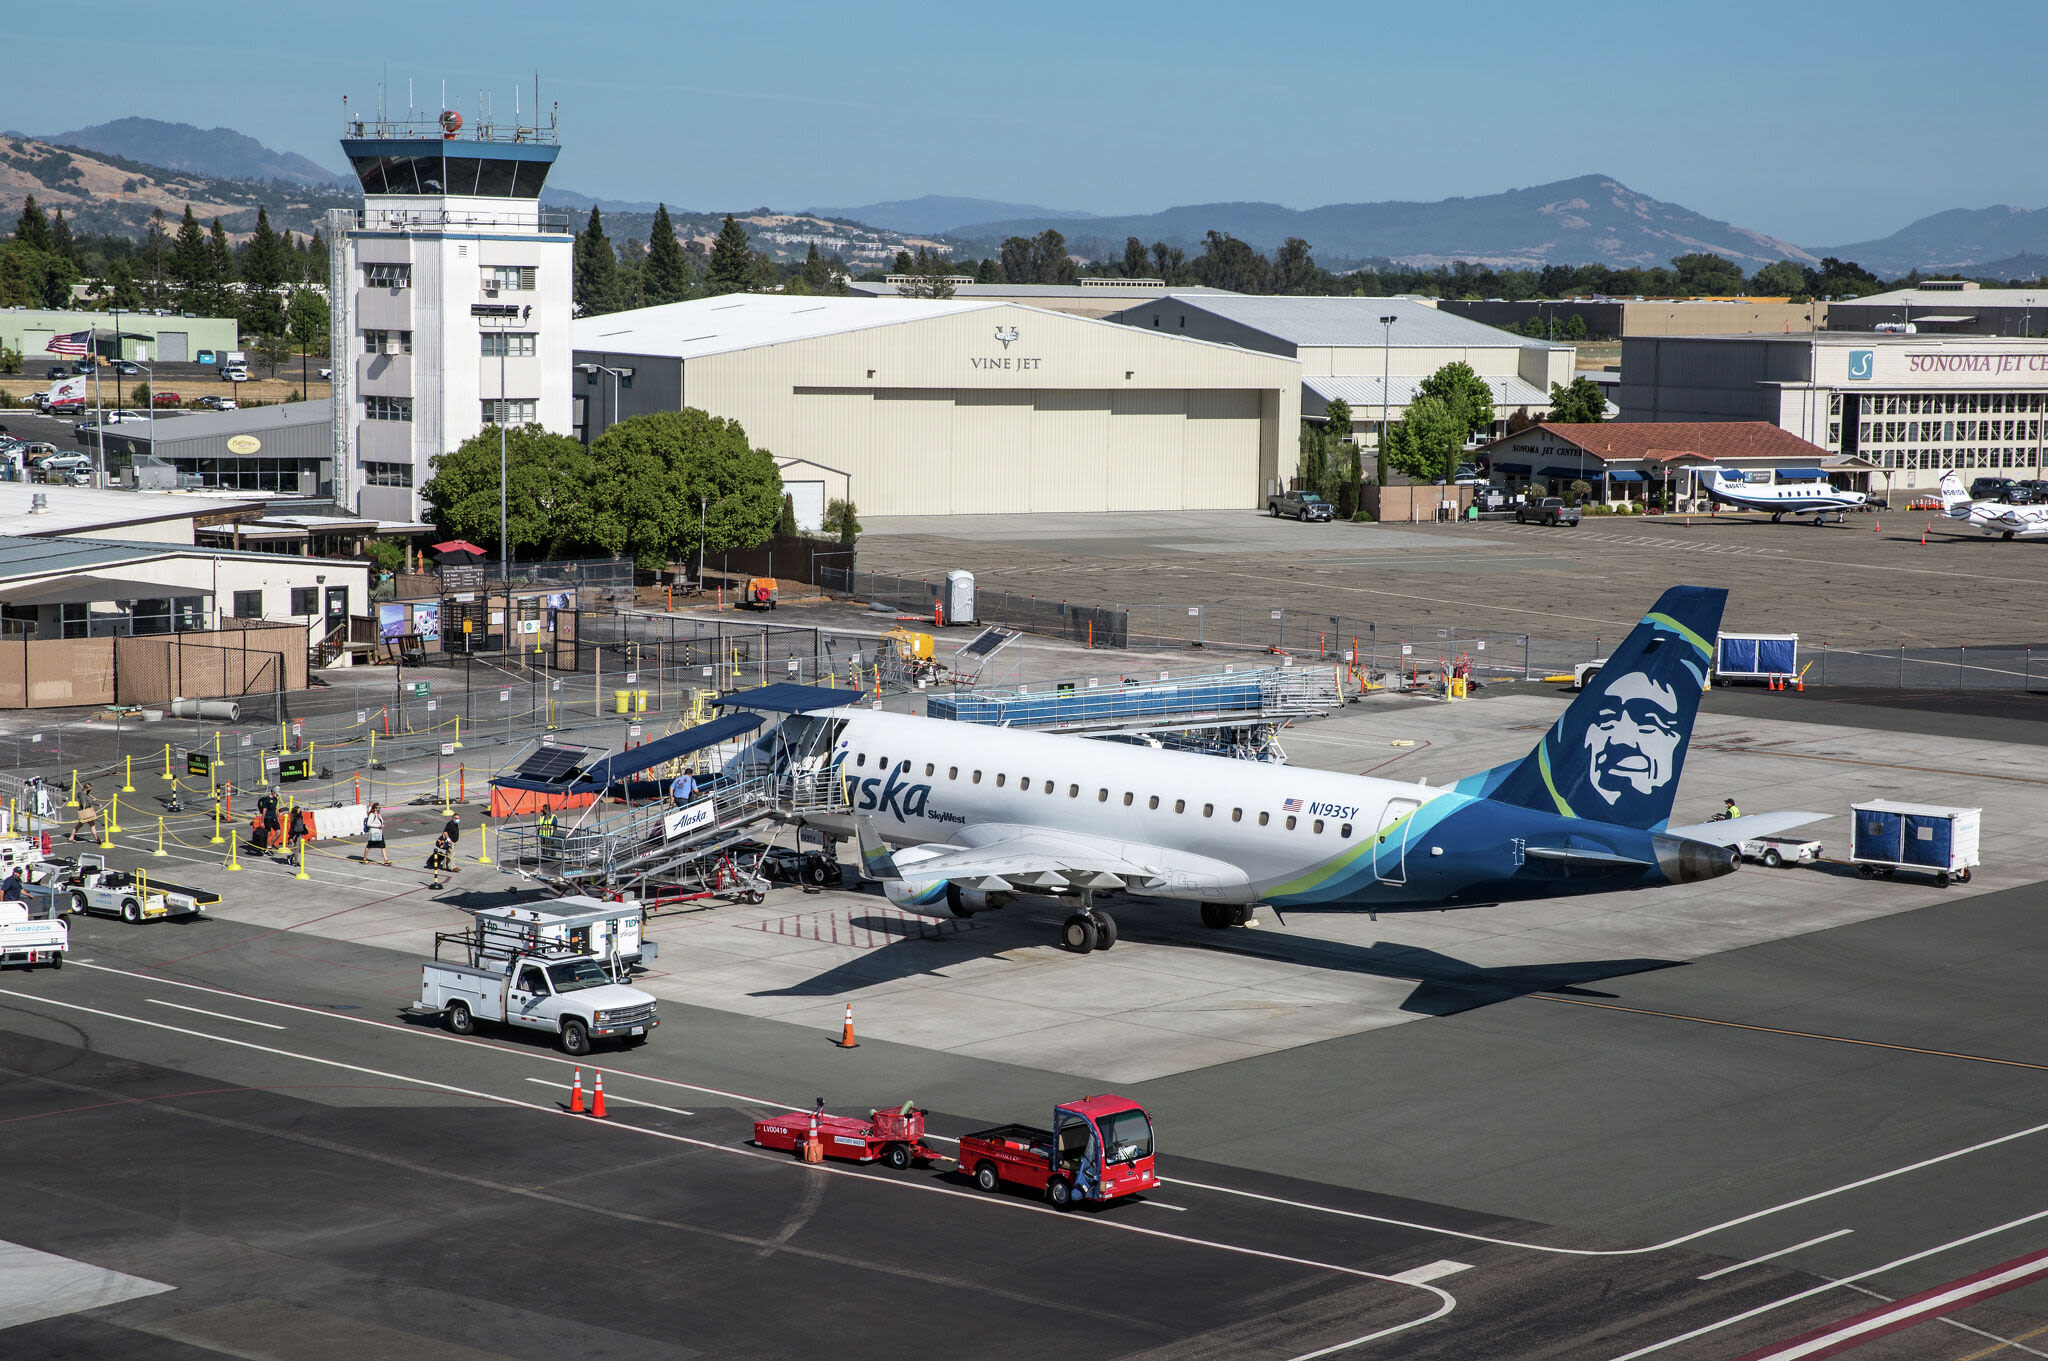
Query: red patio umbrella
(458, 550)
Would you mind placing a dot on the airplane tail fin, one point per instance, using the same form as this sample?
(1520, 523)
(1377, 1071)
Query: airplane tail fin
(876, 861)
(1615, 755)
(1955, 500)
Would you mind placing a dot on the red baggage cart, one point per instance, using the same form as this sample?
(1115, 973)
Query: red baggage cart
(893, 1137)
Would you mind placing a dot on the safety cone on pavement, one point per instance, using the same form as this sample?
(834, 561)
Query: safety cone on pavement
(846, 1040)
(576, 1093)
(597, 1097)
(1877, 526)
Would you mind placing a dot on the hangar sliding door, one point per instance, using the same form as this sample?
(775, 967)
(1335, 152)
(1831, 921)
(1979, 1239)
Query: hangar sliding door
(1220, 469)
(1069, 451)
(1145, 450)
(912, 438)
(991, 462)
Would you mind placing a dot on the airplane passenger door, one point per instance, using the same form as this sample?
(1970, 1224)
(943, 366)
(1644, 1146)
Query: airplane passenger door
(1390, 856)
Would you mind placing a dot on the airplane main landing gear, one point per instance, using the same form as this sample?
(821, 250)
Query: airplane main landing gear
(1089, 929)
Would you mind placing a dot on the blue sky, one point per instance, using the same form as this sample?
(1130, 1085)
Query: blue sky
(1818, 122)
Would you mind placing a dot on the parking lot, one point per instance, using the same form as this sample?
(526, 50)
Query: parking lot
(1559, 1128)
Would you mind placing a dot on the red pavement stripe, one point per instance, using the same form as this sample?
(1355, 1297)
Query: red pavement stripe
(1914, 1309)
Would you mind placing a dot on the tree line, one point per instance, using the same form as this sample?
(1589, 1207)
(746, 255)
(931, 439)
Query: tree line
(632, 273)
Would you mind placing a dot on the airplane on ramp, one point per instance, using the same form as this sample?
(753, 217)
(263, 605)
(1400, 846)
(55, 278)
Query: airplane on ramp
(953, 817)
(1818, 499)
(1992, 517)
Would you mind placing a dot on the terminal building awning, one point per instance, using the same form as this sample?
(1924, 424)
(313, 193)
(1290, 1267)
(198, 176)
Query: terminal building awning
(1626, 475)
(90, 588)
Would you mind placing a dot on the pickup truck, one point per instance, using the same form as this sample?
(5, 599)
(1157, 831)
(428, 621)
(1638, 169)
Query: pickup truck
(571, 996)
(1546, 510)
(30, 941)
(1099, 1148)
(1302, 505)
(89, 886)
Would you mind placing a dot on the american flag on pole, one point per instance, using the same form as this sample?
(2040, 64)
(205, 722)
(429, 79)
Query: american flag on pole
(1291, 806)
(75, 344)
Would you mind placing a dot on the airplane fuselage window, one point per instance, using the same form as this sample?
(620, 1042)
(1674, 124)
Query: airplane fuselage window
(977, 778)
(1265, 818)
(928, 769)
(1102, 796)
(861, 759)
(1023, 782)
(953, 772)
(1127, 798)
(1290, 822)
(1073, 791)
(1155, 802)
(1319, 827)
(1180, 805)
(1237, 815)
(881, 763)
(1345, 830)
(1208, 810)
(999, 780)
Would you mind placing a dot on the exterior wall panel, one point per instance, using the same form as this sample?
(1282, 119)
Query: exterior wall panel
(1070, 451)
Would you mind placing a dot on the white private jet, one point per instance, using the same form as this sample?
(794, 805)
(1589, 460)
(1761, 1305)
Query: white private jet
(1817, 499)
(1993, 517)
(954, 817)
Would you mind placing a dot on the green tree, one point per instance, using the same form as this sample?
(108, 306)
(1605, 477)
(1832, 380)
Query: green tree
(188, 265)
(156, 253)
(1050, 261)
(988, 272)
(785, 521)
(306, 321)
(1461, 389)
(220, 273)
(549, 498)
(660, 475)
(32, 229)
(1578, 403)
(1780, 277)
(1294, 269)
(1424, 443)
(596, 269)
(842, 522)
(1702, 273)
(1575, 329)
(817, 276)
(17, 284)
(1136, 263)
(1337, 418)
(928, 276)
(263, 272)
(666, 277)
(1228, 263)
(1017, 261)
(10, 360)
(1169, 263)
(61, 243)
(732, 261)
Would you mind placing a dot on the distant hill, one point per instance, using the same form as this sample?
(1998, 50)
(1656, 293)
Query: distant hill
(1959, 241)
(1593, 219)
(104, 192)
(221, 153)
(570, 198)
(938, 214)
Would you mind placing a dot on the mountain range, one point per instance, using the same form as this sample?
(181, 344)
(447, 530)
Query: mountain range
(108, 177)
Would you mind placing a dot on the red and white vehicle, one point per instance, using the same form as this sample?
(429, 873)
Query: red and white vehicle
(1099, 1148)
(894, 1137)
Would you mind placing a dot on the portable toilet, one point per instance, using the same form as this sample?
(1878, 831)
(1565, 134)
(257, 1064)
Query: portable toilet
(959, 597)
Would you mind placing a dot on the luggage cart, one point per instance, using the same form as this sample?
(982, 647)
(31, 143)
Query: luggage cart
(1888, 837)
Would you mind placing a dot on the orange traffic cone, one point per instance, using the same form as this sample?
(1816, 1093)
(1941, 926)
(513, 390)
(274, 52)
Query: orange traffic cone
(576, 1093)
(846, 1040)
(1923, 534)
(597, 1098)
(1877, 526)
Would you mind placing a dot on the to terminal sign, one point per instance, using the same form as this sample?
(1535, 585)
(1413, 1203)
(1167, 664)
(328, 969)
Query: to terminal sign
(199, 763)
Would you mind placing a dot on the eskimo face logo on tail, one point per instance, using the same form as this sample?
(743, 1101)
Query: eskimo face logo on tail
(1633, 741)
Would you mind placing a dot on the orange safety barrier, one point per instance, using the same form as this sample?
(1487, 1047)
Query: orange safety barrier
(512, 803)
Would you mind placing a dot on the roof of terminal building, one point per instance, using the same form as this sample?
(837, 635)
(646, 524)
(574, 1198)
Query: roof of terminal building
(202, 424)
(1349, 322)
(1664, 441)
(71, 510)
(36, 557)
(743, 321)
(1952, 297)
(1362, 391)
(1107, 289)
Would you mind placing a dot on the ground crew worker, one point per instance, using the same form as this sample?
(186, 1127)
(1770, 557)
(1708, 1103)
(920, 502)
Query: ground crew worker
(547, 829)
(684, 789)
(452, 829)
(1729, 812)
(10, 891)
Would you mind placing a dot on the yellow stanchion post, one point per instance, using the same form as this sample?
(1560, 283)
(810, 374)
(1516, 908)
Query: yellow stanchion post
(284, 742)
(446, 811)
(373, 748)
(262, 760)
(106, 837)
(483, 831)
(159, 836)
(302, 863)
(114, 814)
(458, 732)
(73, 803)
(217, 837)
(167, 762)
(234, 853)
(127, 774)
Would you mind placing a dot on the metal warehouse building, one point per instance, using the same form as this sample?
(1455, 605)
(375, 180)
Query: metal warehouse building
(287, 448)
(172, 338)
(957, 406)
(1371, 352)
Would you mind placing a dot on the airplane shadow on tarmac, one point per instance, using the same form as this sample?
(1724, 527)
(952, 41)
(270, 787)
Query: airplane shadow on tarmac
(1444, 985)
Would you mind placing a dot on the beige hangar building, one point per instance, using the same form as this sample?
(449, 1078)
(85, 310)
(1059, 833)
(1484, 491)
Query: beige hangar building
(956, 406)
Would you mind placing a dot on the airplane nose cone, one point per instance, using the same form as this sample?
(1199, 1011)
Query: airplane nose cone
(1685, 861)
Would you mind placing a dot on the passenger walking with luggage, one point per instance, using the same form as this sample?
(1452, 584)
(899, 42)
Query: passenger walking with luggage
(373, 825)
(88, 814)
(439, 859)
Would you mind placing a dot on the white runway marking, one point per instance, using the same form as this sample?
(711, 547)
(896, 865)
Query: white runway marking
(1432, 1271)
(218, 1015)
(38, 1285)
(1772, 1256)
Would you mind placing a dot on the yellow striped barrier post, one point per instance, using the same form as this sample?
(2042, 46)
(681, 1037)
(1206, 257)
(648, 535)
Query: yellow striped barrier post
(234, 853)
(217, 837)
(262, 761)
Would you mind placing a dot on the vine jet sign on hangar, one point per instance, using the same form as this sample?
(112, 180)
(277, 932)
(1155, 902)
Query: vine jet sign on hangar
(954, 817)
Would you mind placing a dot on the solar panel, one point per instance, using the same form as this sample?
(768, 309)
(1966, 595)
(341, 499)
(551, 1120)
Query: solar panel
(552, 765)
(985, 643)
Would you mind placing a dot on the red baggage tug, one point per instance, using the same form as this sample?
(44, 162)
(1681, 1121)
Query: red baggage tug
(893, 1137)
(1099, 1148)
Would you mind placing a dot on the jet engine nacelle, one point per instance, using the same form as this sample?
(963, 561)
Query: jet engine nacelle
(1685, 861)
(939, 898)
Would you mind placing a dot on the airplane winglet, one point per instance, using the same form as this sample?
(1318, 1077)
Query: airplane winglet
(876, 861)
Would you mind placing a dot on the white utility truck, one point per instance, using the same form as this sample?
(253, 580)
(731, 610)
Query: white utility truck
(31, 940)
(557, 988)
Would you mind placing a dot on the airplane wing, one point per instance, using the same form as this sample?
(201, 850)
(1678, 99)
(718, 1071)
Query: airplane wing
(1037, 857)
(1748, 827)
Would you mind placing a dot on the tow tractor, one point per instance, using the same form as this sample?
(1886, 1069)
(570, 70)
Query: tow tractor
(29, 940)
(1099, 1149)
(893, 1137)
(89, 886)
(1775, 851)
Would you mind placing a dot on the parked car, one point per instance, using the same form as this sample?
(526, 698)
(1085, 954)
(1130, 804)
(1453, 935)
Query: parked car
(84, 365)
(1546, 510)
(218, 403)
(55, 372)
(234, 375)
(1302, 505)
(64, 464)
(1994, 489)
(165, 399)
(127, 366)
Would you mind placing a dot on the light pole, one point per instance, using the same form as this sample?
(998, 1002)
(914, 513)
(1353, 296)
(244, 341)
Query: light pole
(1386, 381)
(2027, 318)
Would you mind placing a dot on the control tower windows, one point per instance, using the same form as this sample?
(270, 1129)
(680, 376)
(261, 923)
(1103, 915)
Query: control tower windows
(511, 344)
(380, 275)
(510, 411)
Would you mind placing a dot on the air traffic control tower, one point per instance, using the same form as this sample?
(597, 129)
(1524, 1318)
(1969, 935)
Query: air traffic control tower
(451, 300)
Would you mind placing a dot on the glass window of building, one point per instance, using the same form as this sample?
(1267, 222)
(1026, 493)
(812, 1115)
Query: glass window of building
(387, 342)
(513, 278)
(378, 275)
(510, 410)
(387, 408)
(249, 604)
(510, 344)
(387, 474)
(305, 600)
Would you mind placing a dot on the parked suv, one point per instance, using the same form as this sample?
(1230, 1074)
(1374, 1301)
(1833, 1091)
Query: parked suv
(1302, 505)
(1997, 489)
(1546, 510)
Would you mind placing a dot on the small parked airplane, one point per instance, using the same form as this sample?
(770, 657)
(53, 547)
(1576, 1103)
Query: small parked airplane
(1993, 517)
(1817, 499)
(978, 815)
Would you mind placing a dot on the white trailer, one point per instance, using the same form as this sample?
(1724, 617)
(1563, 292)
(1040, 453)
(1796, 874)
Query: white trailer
(29, 941)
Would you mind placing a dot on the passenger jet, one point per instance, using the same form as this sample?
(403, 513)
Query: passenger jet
(954, 817)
